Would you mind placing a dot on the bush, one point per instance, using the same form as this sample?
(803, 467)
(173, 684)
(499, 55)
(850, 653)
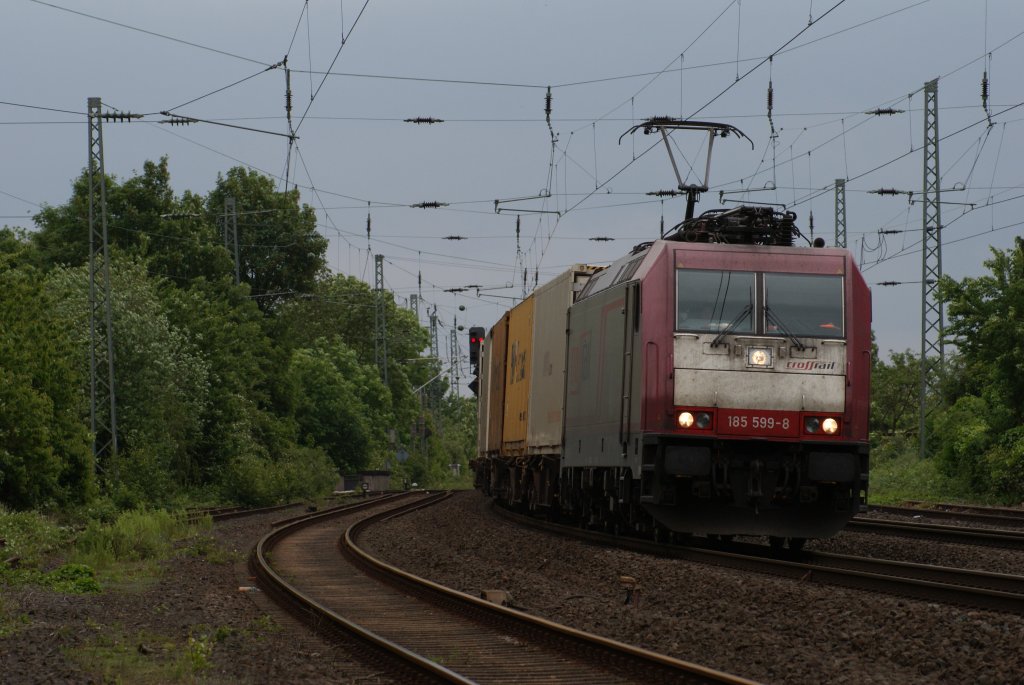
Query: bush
(964, 435)
(30, 537)
(135, 536)
(908, 477)
(1006, 464)
(300, 473)
(73, 579)
(885, 447)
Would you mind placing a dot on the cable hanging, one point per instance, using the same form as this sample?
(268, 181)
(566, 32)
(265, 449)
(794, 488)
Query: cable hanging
(739, 23)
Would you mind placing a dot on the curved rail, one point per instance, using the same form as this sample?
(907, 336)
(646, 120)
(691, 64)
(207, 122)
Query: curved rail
(468, 639)
(316, 612)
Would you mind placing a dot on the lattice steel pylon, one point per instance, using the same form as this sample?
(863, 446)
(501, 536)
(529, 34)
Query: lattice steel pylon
(932, 352)
(435, 353)
(453, 356)
(414, 306)
(103, 404)
(840, 212)
(435, 349)
(381, 327)
(231, 232)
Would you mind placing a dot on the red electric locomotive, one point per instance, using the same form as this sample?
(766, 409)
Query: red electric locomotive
(715, 382)
(699, 387)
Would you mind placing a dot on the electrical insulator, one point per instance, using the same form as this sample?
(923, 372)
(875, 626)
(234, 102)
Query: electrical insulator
(771, 96)
(984, 88)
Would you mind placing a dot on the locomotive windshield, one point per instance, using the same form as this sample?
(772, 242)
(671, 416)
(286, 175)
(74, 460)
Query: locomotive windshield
(711, 301)
(743, 302)
(804, 305)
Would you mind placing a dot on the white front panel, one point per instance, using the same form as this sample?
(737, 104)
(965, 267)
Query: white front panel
(813, 379)
(760, 390)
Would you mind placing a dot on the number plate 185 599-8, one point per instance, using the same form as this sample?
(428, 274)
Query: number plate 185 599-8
(759, 422)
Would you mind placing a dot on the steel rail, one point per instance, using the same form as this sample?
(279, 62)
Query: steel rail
(980, 589)
(995, 517)
(1007, 539)
(278, 586)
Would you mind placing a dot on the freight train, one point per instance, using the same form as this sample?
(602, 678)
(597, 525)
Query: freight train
(714, 382)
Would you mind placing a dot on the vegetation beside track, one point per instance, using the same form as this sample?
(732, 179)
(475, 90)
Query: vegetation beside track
(975, 411)
(254, 389)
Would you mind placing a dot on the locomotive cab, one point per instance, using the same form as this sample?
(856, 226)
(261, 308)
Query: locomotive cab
(765, 435)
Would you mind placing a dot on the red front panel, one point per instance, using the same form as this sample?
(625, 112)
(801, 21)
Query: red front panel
(658, 326)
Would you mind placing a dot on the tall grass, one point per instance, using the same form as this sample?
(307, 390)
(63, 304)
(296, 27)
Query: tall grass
(896, 478)
(137, 535)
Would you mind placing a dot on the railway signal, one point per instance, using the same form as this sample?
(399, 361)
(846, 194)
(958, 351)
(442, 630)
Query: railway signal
(476, 338)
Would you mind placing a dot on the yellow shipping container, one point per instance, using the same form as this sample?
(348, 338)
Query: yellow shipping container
(493, 400)
(518, 360)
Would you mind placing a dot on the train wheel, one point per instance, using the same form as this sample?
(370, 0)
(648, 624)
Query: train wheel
(796, 544)
(776, 542)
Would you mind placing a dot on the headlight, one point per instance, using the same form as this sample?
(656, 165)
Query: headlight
(818, 424)
(760, 357)
(703, 419)
(685, 419)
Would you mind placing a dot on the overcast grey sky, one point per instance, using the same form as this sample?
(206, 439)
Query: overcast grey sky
(484, 67)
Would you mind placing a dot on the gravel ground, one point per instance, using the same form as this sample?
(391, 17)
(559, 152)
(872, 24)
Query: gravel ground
(193, 624)
(764, 628)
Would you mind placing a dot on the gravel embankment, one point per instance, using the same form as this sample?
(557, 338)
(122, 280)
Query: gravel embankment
(764, 628)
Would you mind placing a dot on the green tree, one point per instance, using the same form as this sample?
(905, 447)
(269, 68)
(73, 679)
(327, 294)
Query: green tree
(45, 449)
(895, 394)
(980, 437)
(280, 250)
(225, 328)
(178, 237)
(341, 405)
(344, 308)
(161, 384)
(986, 321)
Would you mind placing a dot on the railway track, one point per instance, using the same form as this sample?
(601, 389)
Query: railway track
(994, 516)
(224, 513)
(433, 633)
(979, 589)
(1005, 539)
